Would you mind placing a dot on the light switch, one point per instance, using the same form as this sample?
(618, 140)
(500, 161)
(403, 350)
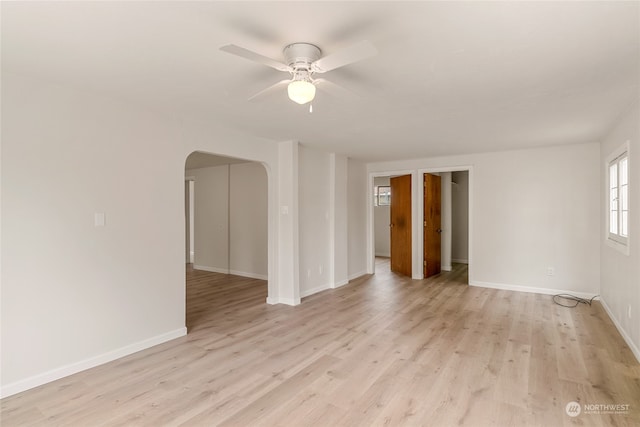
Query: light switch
(99, 219)
(284, 210)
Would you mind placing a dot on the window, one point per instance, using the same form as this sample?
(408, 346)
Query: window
(618, 196)
(382, 195)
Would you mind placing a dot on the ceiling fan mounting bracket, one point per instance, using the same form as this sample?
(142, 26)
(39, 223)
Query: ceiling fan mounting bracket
(301, 55)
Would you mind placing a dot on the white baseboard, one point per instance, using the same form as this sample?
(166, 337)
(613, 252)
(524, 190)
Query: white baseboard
(73, 368)
(529, 289)
(290, 301)
(625, 336)
(312, 291)
(358, 274)
(321, 288)
(234, 272)
(211, 269)
(460, 261)
(446, 267)
(249, 275)
(287, 301)
(340, 283)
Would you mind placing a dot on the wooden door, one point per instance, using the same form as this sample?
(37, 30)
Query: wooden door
(432, 230)
(400, 227)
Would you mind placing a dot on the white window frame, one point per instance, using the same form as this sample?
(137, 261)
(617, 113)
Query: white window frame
(616, 240)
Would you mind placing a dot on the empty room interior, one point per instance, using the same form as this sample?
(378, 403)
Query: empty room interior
(320, 213)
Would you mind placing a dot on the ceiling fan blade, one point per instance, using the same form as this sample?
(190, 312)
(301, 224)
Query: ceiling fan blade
(270, 89)
(334, 89)
(355, 53)
(256, 57)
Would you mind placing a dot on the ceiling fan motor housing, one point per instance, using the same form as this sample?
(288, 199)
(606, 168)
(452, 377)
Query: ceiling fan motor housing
(300, 56)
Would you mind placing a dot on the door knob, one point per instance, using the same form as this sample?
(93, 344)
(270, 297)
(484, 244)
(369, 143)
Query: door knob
(439, 230)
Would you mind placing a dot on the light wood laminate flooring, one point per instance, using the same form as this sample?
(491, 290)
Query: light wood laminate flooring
(382, 350)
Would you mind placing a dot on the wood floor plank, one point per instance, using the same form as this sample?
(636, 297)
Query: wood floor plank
(383, 350)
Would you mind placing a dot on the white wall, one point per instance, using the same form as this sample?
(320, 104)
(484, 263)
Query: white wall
(75, 295)
(357, 200)
(314, 220)
(248, 251)
(620, 273)
(211, 215)
(460, 217)
(338, 221)
(382, 219)
(530, 210)
(231, 219)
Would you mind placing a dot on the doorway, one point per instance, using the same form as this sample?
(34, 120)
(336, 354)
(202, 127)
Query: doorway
(226, 218)
(392, 223)
(445, 244)
(229, 215)
(400, 225)
(460, 249)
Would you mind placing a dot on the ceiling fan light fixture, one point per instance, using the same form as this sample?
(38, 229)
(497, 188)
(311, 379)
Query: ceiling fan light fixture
(301, 91)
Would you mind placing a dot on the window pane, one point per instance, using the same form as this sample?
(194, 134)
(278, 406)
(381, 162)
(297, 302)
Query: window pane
(619, 197)
(613, 175)
(384, 196)
(624, 177)
(613, 211)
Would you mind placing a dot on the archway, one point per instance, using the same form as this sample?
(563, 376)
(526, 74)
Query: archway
(226, 217)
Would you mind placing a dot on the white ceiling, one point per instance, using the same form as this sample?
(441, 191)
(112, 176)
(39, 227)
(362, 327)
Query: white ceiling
(450, 77)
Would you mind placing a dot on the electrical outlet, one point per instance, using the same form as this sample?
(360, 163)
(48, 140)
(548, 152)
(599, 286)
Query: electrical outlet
(320, 269)
(551, 271)
(99, 219)
(309, 273)
(629, 311)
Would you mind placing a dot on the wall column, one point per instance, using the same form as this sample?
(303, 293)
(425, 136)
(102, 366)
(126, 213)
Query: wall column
(338, 268)
(288, 262)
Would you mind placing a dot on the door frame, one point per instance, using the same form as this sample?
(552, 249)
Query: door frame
(417, 215)
(421, 172)
(190, 218)
(371, 242)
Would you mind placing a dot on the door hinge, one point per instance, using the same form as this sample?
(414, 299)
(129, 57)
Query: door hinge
(424, 262)
(425, 223)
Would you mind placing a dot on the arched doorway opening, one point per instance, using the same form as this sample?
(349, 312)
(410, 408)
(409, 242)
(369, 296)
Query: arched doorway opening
(226, 225)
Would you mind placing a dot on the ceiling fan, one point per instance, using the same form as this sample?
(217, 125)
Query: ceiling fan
(302, 61)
